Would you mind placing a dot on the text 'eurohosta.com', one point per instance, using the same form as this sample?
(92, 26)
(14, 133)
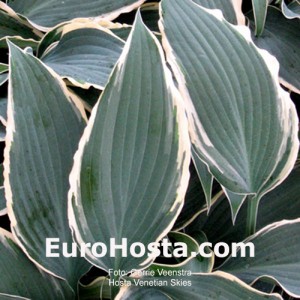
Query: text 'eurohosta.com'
(56, 248)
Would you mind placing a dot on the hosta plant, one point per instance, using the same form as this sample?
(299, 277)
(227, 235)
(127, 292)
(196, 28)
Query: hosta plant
(137, 123)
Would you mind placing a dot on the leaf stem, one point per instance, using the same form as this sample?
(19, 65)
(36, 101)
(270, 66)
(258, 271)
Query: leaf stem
(252, 209)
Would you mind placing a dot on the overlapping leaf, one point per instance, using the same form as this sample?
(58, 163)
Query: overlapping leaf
(43, 130)
(281, 38)
(231, 9)
(3, 110)
(204, 175)
(85, 54)
(242, 123)
(194, 262)
(2, 196)
(3, 68)
(277, 257)
(3, 78)
(150, 15)
(21, 278)
(14, 26)
(131, 170)
(291, 10)
(260, 8)
(48, 13)
(281, 203)
(194, 201)
(100, 287)
(236, 201)
(217, 285)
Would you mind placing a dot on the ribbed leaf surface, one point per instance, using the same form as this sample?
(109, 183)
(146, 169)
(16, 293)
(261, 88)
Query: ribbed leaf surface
(21, 278)
(85, 55)
(231, 9)
(218, 286)
(48, 13)
(281, 38)
(277, 257)
(43, 130)
(131, 170)
(241, 122)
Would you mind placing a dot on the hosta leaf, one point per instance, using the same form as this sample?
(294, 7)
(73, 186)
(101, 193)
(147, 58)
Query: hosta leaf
(3, 109)
(122, 32)
(131, 170)
(260, 8)
(194, 201)
(204, 175)
(277, 257)
(194, 262)
(3, 78)
(264, 286)
(20, 42)
(3, 68)
(218, 285)
(13, 25)
(150, 15)
(145, 294)
(231, 9)
(48, 13)
(281, 203)
(54, 35)
(236, 201)
(2, 132)
(100, 287)
(292, 10)
(242, 123)
(43, 130)
(85, 55)
(88, 96)
(2, 196)
(281, 36)
(20, 277)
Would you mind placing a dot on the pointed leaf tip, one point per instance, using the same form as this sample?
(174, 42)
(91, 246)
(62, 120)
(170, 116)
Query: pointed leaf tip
(134, 152)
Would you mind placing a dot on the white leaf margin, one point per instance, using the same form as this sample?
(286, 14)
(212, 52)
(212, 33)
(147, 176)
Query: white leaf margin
(221, 274)
(10, 130)
(184, 151)
(272, 65)
(76, 24)
(261, 232)
(104, 17)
